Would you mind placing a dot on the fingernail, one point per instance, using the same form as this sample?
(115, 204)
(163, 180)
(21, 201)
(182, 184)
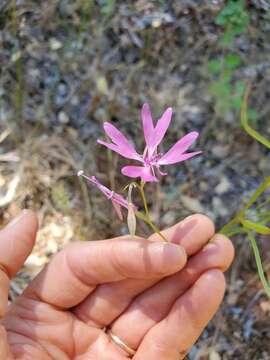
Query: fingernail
(175, 253)
(173, 256)
(16, 219)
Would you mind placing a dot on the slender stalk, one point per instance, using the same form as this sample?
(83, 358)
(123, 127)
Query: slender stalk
(147, 217)
(263, 204)
(256, 252)
(227, 227)
(236, 232)
(148, 221)
(156, 230)
(261, 189)
(141, 187)
(241, 213)
(87, 203)
(19, 88)
(245, 124)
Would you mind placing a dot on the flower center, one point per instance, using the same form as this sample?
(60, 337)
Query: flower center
(151, 160)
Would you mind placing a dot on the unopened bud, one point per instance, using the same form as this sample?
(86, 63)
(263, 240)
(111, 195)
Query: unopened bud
(131, 217)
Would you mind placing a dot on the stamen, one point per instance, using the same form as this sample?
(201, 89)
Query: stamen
(92, 179)
(145, 152)
(81, 174)
(153, 170)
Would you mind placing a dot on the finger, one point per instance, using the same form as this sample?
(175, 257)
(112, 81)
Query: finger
(153, 305)
(16, 243)
(4, 348)
(79, 268)
(108, 301)
(192, 233)
(172, 338)
(17, 240)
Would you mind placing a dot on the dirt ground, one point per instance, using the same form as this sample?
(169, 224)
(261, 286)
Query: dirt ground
(67, 66)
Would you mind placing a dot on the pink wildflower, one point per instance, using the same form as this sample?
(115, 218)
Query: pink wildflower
(151, 158)
(117, 200)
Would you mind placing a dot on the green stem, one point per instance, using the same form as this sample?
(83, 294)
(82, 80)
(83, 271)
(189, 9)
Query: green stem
(141, 187)
(236, 232)
(147, 217)
(241, 213)
(227, 227)
(245, 124)
(261, 189)
(259, 263)
(156, 230)
(144, 217)
(244, 121)
(263, 204)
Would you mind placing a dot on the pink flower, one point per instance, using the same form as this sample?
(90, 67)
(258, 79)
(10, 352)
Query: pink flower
(117, 200)
(151, 159)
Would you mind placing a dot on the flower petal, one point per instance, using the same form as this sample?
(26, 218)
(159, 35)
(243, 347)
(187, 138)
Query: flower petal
(139, 171)
(176, 158)
(123, 151)
(161, 127)
(121, 141)
(120, 200)
(117, 209)
(178, 149)
(111, 146)
(115, 135)
(147, 123)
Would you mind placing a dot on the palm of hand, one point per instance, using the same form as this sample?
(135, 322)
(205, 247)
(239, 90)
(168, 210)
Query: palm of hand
(48, 333)
(146, 292)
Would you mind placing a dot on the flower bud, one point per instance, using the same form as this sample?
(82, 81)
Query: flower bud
(131, 217)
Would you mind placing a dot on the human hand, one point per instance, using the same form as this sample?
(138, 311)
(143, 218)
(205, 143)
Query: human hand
(155, 297)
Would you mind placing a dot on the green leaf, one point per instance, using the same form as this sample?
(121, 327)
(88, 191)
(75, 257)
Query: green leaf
(240, 87)
(229, 10)
(220, 87)
(221, 90)
(259, 264)
(237, 102)
(108, 7)
(252, 115)
(214, 66)
(239, 90)
(226, 39)
(224, 107)
(233, 12)
(260, 229)
(234, 19)
(232, 61)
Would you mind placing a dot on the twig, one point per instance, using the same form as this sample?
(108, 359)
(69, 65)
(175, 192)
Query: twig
(11, 191)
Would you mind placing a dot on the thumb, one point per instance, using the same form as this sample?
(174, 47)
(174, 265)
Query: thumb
(16, 243)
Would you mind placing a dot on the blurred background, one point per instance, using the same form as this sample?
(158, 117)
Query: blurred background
(66, 66)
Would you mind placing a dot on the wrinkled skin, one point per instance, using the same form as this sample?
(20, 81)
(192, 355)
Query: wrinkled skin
(156, 297)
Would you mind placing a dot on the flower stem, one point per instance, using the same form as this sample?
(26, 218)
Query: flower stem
(256, 252)
(148, 221)
(147, 217)
(141, 187)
